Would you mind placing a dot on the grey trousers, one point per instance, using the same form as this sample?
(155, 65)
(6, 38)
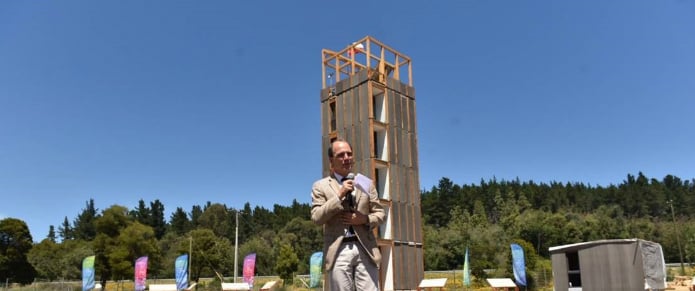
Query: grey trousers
(353, 270)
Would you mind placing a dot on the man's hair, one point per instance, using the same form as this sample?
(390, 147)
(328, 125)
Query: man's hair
(330, 147)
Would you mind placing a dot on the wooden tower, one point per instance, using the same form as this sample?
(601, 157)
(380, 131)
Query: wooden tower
(368, 99)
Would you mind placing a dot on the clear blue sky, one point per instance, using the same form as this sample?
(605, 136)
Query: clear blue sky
(196, 101)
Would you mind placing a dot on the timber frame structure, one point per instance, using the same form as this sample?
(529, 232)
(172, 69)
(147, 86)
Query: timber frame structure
(368, 99)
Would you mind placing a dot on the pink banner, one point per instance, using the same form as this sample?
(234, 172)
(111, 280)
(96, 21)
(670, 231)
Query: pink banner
(140, 273)
(249, 268)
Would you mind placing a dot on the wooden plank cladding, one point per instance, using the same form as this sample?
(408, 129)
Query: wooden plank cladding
(367, 98)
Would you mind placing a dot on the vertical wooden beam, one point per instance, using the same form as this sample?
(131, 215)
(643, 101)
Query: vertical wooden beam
(410, 73)
(323, 70)
(368, 42)
(397, 69)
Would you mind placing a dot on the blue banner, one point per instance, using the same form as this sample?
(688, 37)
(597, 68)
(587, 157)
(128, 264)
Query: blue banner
(88, 273)
(181, 271)
(466, 270)
(315, 266)
(518, 265)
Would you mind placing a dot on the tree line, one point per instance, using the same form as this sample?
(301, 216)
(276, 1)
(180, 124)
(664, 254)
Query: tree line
(484, 217)
(487, 217)
(118, 236)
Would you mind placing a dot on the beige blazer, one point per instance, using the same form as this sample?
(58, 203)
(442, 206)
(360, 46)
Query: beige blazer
(326, 208)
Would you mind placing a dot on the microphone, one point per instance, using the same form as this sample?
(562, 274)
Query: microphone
(351, 176)
(351, 200)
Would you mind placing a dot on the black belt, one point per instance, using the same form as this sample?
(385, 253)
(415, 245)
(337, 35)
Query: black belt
(350, 239)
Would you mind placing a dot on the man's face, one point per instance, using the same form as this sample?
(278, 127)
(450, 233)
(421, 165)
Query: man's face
(341, 162)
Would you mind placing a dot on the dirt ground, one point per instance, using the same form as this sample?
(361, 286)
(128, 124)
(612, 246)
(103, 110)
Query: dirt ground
(680, 283)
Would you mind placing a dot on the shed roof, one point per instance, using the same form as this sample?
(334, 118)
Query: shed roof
(584, 245)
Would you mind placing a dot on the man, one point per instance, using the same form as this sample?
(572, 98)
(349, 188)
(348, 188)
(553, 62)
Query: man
(348, 215)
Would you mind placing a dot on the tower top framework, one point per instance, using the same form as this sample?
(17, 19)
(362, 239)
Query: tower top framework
(380, 60)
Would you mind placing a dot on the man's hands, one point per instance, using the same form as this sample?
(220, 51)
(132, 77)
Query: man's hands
(354, 218)
(351, 218)
(347, 188)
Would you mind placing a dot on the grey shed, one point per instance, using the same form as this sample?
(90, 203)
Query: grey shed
(609, 265)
